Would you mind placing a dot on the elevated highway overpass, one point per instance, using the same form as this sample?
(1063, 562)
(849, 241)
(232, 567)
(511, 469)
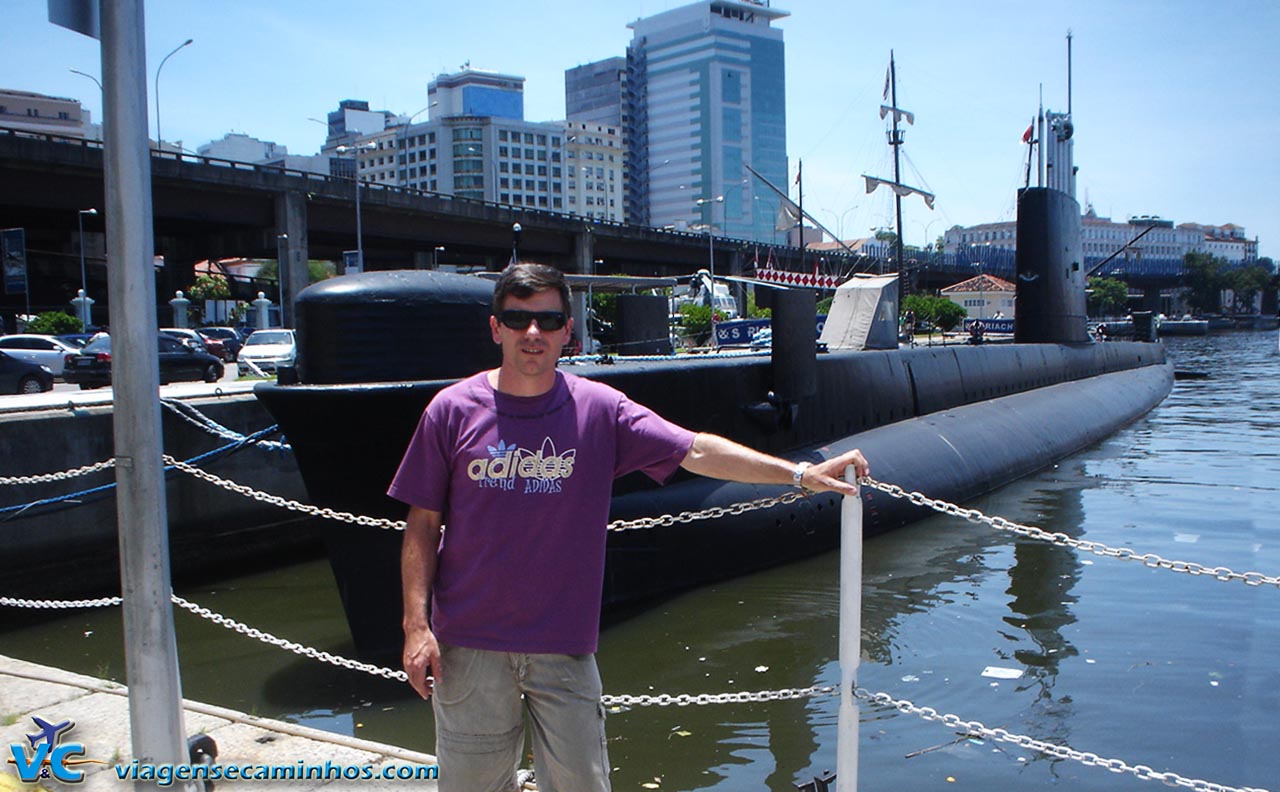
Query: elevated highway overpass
(207, 208)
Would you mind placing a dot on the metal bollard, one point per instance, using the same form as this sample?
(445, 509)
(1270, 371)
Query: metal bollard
(850, 637)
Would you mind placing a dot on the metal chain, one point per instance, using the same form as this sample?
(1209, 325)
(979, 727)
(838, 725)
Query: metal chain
(292, 646)
(285, 503)
(102, 602)
(198, 419)
(742, 697)
(1059, 751)
(1225, 574)
(712, 513)
(64, 475)
(971, 727)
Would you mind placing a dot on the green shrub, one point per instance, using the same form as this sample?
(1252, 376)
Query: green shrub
(54, 323)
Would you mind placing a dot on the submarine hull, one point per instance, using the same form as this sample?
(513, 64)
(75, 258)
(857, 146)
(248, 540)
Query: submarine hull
(954, 422)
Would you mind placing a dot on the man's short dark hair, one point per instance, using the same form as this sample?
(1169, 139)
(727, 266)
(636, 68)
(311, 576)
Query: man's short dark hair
(525, 279)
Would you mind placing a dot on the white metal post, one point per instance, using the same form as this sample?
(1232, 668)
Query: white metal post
(850, 637)
(151, 657)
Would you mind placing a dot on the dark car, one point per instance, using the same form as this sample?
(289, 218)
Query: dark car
(19, 376)
(230, 338)
(91, 366)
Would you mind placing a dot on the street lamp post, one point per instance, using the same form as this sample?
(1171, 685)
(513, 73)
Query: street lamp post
(282, 261)
(355, 159)
(159, 139)
(515, 242)
(711, 249)
(435, 257)
(84, 289)
(840, 220)
(80, 221)
(404, 135)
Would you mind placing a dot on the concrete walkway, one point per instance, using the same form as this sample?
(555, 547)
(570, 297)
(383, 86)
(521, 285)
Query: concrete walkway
(100, 711)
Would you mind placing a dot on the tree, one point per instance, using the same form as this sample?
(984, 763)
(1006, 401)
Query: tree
(1106, 294)
(317, 270)
(1245, 283)
(938, 311)
(949, 314)
(54, 323)
(1205, 279)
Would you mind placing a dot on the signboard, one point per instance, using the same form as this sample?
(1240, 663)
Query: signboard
(991, 325)
(78, 15)
(741, 332)
(13, 251)
(351, 262)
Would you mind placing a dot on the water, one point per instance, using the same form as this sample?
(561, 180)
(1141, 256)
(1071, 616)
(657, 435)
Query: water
(1148, 666)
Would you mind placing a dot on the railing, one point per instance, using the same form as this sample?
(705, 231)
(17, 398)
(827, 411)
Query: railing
(849, 629)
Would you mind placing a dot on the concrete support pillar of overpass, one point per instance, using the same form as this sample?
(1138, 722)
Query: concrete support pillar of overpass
(738, 290)
(1151, 299)
(421, 259)
(291, 237)
(585, 263)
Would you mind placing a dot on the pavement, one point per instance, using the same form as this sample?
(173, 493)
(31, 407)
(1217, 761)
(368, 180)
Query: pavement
(71, 397)
(99, 710)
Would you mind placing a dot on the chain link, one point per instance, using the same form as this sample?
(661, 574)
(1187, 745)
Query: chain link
(292, 646)
(284, 503)
(712, 513)
(700, 699)
(973, 727)
(65, 475)
(14, 602)
(1222, 573)
(970, 727)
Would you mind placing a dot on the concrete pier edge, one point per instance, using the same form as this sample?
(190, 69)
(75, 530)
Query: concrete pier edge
(29, 689)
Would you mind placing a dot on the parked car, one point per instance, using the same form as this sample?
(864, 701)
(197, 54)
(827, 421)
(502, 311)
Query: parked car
(230, 338)
(44, 350)
(76, 340)
(267, 350)
(21, 376)
(187, 336)
(91, 367)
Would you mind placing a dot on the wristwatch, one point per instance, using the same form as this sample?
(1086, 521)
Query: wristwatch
(797, 475)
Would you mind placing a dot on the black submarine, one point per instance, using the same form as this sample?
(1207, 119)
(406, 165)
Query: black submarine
(953, 421)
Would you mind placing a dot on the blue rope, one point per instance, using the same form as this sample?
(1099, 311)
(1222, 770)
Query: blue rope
(169, 469)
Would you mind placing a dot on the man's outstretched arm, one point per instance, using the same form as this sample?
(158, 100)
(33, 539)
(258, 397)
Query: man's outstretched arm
(717, 457)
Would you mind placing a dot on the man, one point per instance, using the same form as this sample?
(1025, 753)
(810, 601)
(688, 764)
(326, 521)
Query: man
(519, 462)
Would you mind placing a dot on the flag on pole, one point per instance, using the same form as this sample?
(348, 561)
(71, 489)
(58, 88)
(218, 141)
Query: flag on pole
(1026, 136)
(887, 72)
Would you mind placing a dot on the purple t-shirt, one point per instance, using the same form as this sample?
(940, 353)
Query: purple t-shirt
(524, 485)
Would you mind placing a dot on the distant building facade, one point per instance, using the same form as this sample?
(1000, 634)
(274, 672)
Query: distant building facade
(983, 297)
(705, 96)
(597, 93)
(1103, 237)
(492, 156)
(50, 115)
(594, 171)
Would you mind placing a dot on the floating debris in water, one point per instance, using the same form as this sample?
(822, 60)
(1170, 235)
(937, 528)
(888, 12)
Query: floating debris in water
(996, 672)
(761, 669)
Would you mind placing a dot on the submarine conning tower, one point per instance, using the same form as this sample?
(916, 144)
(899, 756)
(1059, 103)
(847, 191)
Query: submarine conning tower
(1050, 301)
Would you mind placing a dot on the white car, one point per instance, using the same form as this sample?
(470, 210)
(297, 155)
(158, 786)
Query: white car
(42, 350)
(267, 350)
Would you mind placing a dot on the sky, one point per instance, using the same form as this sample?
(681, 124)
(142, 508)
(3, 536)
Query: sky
(1174, 103)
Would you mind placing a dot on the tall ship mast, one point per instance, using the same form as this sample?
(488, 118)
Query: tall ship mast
(896, 138)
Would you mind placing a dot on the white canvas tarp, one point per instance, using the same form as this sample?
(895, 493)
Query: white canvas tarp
(864, 315)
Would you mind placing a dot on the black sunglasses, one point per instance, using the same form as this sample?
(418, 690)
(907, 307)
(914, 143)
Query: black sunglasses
(519, 320)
